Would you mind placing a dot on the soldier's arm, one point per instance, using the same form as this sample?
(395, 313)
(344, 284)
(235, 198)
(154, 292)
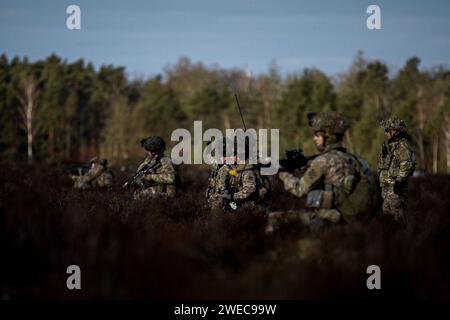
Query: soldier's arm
(248, 185)
(222, 181)
(301, 186)
(380, 160)
(211, 180)
(93, 174)
(165, 175)
(405, 160)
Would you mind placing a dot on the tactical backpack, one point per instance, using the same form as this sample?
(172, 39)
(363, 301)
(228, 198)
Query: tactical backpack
(358, 194)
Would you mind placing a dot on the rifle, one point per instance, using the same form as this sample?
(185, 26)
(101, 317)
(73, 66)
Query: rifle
(294, 159)
(137, 178)
(227, 195)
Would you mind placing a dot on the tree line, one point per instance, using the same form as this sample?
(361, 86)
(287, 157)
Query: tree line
(53, 110)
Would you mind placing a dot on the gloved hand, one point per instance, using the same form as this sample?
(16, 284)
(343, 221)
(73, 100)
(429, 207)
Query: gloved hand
(147, 177)
(228, 201)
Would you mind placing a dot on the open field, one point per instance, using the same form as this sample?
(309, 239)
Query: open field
(177, 249)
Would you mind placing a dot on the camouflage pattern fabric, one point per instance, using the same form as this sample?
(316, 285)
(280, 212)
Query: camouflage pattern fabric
(394, 202)
(393, 124)
(216, 187)
(96, 177)
(330, 123)
(325, 175)
(327, 168)
(238, 183)
(105, 180)
(161, 181)
(396, 163)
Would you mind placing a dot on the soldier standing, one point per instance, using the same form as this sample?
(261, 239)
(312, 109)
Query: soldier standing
(97, 177)
(396, 163)
(161, 179)
(338, 185)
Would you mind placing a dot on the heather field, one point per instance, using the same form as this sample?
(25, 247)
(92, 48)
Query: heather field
(177, 249)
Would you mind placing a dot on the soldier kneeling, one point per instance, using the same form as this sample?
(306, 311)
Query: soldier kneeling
(156, 176)
(98, 176)
(338, 185)
(237, 184)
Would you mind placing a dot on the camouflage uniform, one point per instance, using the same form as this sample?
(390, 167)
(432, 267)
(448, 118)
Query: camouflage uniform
(326, 169)
(241, 184)
(97, 177)
(161, 181)
(396, 162)
(327, 181)
(214, 191)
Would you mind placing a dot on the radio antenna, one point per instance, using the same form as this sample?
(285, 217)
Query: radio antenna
(240, 111)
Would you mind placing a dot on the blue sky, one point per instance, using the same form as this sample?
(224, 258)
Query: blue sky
(146, 35)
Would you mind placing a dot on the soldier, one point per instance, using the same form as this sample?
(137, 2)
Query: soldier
(161, 179)
(213, 192)
(396, 163)
(236, 185)
(338, 185)
(97, 177)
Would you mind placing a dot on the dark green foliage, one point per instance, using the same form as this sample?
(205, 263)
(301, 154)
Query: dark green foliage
(83, 112)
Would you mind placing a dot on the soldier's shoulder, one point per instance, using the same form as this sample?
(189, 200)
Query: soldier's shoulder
(250, 170)
(245, 167)
(406, 141)
(403, 145)
(166, 161)
(323, 159)
(319, 160)
(147, 160)
(318, 164)
(223, 170)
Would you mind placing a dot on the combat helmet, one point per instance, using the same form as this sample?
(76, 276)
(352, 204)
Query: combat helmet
(330, 123)
(100, 161)
(154, 144)
(93, 160)
(393, 124)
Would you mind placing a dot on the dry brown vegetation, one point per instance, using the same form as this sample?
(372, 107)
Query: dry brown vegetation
(177, 249)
